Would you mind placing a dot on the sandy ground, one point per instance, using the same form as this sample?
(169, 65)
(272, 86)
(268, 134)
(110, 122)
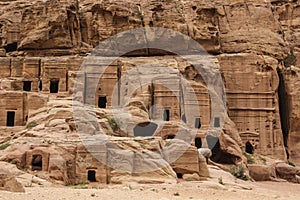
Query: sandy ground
(183, 190)
(231, 189)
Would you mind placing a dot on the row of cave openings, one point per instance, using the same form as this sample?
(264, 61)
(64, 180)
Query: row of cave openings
(54, 86)
(213, 143)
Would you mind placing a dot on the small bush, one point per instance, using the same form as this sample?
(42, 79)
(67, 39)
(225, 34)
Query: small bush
(250, 159)
(31, 125)
(168, 144)
(112, 122)
(238, 172)
(4, 146)
(13, 162)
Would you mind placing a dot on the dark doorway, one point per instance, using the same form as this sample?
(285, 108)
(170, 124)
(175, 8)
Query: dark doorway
(54, 86)
(102, 102)
(145, 129)
(217, 122)
(198, 143)
(249, 148)
(10, 118)
(92, 175)
(219, 155)
(197, 122)
(166, 115)
(11, 47)
(170, 136)
(179, 175)
(183, 118)
(41, 86)
(37, 162)
(27, 86)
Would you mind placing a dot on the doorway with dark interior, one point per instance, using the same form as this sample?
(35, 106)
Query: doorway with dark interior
(197, 122)
(102, 100)
(166, 115)
(27, 86)
(249, 148)
(91, 175)
(198, 142)
(54, 83)
(37, 162)
(10, 118)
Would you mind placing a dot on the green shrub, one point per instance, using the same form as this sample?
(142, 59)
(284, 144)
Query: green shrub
(4, 146)
(250, 159)
(13, 162)
(31, 125)
(238, 172)
(112, 122)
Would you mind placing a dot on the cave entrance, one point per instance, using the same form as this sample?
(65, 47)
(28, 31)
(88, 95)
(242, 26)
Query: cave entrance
(10, 118)
(54, 86)
(166, 115)
(11, 47)
(218, 155)
(284, 109)
(102, 102)
(170, 137)
(197, 122)
(27, 86)
(145, 129)
(198, 143)
(179, 175)
(37, 162)
(91, 175)
(249, 148)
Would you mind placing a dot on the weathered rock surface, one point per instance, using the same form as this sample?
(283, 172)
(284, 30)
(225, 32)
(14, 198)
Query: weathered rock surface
(8, 181)
(255, 44)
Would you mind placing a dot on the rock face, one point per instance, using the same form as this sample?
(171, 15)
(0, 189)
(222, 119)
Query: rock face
(254, 45)
(8, 179)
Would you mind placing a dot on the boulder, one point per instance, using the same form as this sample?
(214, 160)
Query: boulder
(287, 172)
(261, 172)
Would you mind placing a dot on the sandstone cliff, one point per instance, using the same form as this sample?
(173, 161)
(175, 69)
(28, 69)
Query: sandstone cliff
(255, 43)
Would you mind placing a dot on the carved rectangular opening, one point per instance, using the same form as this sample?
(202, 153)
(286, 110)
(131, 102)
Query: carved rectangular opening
(11, 47)
(217, 122)
(10, 118)
(197, 122)
(166, 115)
(198, 143)
(91, 175)
(40, 85)
(54, 86)
(27, 86)
(37, 162)
(102, 102)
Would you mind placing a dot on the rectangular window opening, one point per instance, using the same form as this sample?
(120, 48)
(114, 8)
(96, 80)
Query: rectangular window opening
(10, 118)
(167, 115)
(102, 102)
(54, 86)
(197, 122)
(27, 86)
